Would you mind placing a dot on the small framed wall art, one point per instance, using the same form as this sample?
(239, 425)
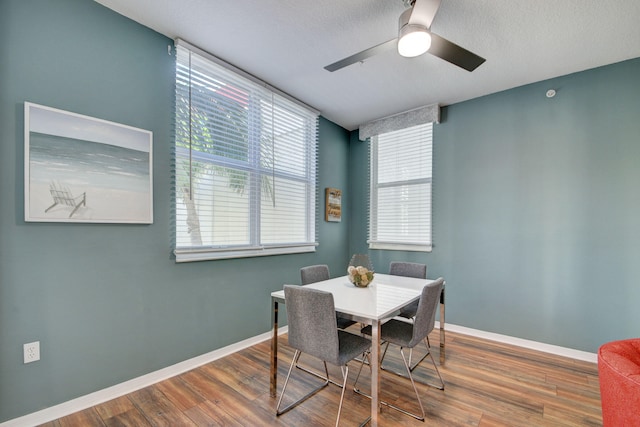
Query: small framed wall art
(333, 205)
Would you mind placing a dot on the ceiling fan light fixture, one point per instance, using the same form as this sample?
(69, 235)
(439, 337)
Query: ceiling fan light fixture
(413, 40)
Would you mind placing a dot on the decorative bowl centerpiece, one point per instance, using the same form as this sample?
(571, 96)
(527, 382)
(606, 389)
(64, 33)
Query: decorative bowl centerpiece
(360, 276)
(360, 271)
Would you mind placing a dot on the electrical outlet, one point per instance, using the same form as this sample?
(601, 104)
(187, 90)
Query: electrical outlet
(31, 352)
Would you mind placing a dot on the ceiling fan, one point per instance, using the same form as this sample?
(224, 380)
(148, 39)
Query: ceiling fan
(415, 38)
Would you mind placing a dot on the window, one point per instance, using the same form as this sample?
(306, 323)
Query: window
(245, 164)
(400, 211)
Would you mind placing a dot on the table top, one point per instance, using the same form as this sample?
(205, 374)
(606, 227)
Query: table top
(382, 299)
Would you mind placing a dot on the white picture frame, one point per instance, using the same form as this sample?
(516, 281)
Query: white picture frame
(85, 170)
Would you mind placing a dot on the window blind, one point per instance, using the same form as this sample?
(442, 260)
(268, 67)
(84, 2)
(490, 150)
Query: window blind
(245, 165)
(401, 173)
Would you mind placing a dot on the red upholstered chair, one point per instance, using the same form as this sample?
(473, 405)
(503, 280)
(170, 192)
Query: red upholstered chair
(619, 373)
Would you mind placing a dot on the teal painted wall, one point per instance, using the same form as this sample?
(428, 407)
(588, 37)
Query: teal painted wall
(536, 206)
(107, 302)
(535, 216)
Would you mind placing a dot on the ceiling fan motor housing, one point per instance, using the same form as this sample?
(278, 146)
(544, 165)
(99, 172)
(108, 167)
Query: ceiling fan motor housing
(403, 20)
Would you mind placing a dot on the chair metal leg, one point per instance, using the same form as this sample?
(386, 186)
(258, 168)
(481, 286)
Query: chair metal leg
(415, 389)
(362, 362)
(407, 364)
(411, 368)
(314, 373)
(434, 365)
(345, 374)
(294, 361)
(397, 408)
(410, 357)
(355, 383)
(414, 366)
(390, 405)
(384, 353)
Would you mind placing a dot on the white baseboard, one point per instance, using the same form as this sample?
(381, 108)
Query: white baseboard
(533, 345)
(104, 395)
(101, 396)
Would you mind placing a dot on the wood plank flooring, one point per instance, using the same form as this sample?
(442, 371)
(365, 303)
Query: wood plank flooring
(487, 384)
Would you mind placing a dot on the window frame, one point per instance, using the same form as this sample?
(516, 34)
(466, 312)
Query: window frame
(399, 244)
(308, 178)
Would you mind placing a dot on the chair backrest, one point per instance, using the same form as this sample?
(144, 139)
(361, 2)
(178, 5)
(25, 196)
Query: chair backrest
(311, 315)
(408, 269)
(426, 315)
(314, 273)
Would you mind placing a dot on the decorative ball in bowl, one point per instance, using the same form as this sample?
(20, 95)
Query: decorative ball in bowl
(360, 276)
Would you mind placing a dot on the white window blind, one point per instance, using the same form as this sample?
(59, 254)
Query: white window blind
(400, 211)
(245, 165)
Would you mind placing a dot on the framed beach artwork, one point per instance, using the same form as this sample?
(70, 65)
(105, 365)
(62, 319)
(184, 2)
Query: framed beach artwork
(83, 169)
(333, 205)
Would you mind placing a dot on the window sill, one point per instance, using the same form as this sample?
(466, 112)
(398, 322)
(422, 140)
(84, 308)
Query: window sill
(400, 247)
(192, 255)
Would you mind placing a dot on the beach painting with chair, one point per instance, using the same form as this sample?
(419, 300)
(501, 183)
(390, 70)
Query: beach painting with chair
(83, 169)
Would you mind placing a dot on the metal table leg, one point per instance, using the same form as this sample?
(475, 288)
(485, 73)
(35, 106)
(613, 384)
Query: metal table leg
(274, 350)
(375, 372)
(442, 337)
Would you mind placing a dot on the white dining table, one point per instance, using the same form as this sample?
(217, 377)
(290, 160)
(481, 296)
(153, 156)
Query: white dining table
(373, 305)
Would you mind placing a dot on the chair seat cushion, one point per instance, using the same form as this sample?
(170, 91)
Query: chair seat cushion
(410, 310)
(394, 331)
(344, 323)
(351, 346)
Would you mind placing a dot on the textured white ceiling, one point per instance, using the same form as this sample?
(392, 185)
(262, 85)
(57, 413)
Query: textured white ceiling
(287, 43)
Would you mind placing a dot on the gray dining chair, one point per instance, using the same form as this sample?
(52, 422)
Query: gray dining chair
(408, 335)
(314, 273)
(312, 331)
(318, 273)
(418, 271)
(408, 269)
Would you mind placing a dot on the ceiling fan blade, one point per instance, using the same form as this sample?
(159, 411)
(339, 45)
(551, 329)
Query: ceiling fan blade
(423, 12)
(451, 52)
(361, 56)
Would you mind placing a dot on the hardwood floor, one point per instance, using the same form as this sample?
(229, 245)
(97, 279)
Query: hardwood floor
(487, 384)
